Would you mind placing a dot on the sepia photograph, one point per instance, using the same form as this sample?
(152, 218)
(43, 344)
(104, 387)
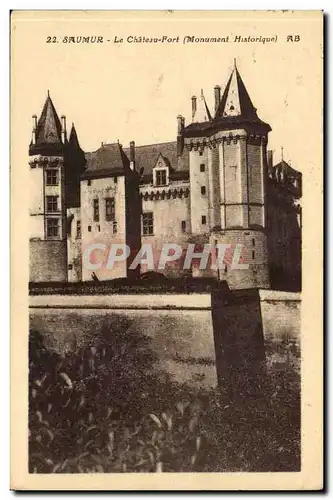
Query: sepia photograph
(163, 221)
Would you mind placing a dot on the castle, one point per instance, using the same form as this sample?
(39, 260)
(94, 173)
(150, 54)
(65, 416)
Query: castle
(216, 183)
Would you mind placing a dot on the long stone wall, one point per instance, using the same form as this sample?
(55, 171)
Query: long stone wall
(179, 327)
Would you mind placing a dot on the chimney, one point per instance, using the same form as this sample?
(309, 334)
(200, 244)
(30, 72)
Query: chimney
(194, 106)
(270, 158)
(63, 129)
(180, 138)
(132, 155)
(217, 94)
(34, 129)
(180, 124)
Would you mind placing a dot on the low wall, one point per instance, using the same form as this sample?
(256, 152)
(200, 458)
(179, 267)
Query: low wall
(180, 327)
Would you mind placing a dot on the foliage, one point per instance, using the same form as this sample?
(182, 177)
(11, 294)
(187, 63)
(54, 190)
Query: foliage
(105, 408)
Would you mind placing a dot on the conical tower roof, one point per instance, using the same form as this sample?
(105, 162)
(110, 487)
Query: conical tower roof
(202, 113)
(236, 100)
(48, 132)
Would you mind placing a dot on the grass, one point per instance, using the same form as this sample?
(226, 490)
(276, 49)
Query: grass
(106, 408)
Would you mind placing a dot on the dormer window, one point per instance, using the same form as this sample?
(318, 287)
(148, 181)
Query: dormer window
(161, 177)
(161, 172)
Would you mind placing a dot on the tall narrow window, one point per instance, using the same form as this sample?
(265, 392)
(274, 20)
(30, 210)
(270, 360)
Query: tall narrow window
(52, 228)
(51, 177)
(183, 226)
(203, 219)
(115, 180)
(253, 242)
(114, 227)
(110, 209)
(52, 204)
(202, 167)
(88, 182)
(161, 177)
(253, 255)
(148, 223)
(233, 172)
(203, 190)
(78, 229)
(96, 209)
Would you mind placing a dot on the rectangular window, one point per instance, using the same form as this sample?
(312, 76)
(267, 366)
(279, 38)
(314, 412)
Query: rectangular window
(96, 209)
(114, 227)
(203, 190)
(89, 229)
(233, 171)
(148, 223)
(253, 255)
(88, 182)
(52, 203)
(110, 209)
(78, 229)
(202, 167)
(70, 267)
(253, 242)
(160, 177)
(200, 153)
(52, 228)
(51, 177)
(183, 225)
(115, 180)
(203, 219)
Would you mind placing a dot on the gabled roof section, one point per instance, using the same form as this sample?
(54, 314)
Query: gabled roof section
(108, 161)
(147, 155)
(202, 113)
(162, 162)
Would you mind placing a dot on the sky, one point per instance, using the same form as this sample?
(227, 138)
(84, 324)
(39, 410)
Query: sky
(132, 91)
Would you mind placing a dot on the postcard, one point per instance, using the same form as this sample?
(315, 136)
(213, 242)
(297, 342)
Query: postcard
(167, 246)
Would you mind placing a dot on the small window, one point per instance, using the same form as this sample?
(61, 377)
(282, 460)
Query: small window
(96, 209)
(114, 227)
(253, 242)
(52, 203)
(89, 229)
(148, 223)
(88, 182)
(253, 255)
(202, 167)
(52, 228)
(161, 177)
(78, 229)
(70, 267)
(99, 228)
(203, 219)
(200, 153)
(110, 209)
(115, 180)
(226, 268)
(51, 177)
(183, 226)
(203, 190)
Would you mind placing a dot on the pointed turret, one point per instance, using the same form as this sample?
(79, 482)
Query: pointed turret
(201, 112)
(236, 100)
(73, 139)
(48, 132)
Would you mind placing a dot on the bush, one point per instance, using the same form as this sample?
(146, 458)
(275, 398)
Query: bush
(105, 408)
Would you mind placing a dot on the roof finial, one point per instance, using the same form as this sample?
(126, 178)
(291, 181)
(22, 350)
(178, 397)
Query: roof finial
(48, 93)
(235, 66)
(281, 153)
(202, 93)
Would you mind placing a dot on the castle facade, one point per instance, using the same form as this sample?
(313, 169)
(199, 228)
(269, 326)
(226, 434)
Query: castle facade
(216, 183)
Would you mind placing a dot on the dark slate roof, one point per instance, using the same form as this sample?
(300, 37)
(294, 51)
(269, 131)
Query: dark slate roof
(224, 120)
(48, 133)
(146, 157)
(108, 161)
(287, 178)
(73, 140)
